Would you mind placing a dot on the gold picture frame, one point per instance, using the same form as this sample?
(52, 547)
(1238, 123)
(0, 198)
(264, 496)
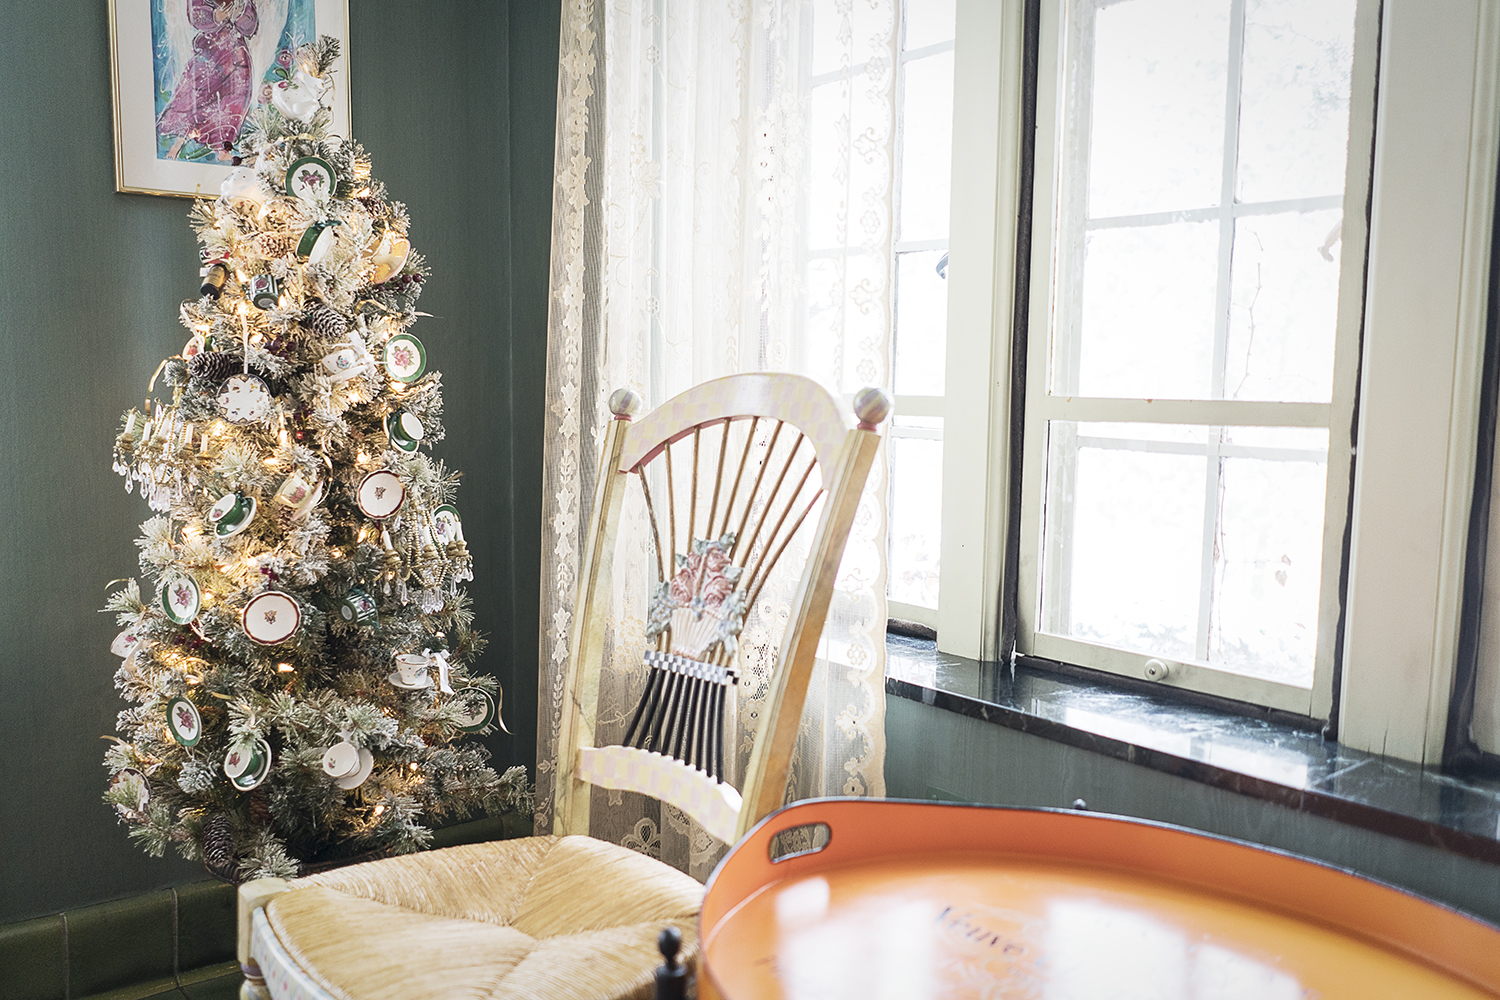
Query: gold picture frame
(181, 85)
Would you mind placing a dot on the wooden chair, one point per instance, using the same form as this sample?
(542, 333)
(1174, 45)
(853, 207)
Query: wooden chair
(730, 471)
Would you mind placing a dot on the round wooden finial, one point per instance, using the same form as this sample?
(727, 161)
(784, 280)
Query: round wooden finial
(624, 404)
(871, 406)
(669, 942)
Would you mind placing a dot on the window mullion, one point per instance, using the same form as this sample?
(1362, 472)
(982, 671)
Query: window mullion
(1214, 473)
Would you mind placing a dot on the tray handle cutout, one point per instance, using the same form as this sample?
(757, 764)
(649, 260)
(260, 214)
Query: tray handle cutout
(798, 841)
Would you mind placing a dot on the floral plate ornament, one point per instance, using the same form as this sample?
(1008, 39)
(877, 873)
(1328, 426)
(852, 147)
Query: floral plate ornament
(180, 598)
(184, 722)
(311, 179)
(702, 605)
(271, 618)
(405, 358)
(244, 399)
(448, 524)
(476, 709)
(259, 767)
(380, 494)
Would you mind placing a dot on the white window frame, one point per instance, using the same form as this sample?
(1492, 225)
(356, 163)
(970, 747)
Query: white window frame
(1437, 127)
(1044, 405)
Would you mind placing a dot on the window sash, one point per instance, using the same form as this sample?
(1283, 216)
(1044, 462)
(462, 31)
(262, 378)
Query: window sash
(1042, 405)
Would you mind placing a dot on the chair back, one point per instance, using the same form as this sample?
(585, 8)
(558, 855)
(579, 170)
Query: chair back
(730, 470)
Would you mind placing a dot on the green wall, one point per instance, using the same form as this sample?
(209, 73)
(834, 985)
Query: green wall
(455, 102)
(934, 753)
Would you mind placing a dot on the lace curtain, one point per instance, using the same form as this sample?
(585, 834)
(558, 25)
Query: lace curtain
(723, 203)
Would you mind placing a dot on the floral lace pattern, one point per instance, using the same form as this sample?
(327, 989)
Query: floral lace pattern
(683, 249)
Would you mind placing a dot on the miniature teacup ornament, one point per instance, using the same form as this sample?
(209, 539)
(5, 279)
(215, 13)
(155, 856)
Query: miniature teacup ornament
(243, 185)
(341, 759)
(301, 96)
(410, 672)
(389, 257)
(347, 362)
(263, 291)
(358, 608)
(238, 761)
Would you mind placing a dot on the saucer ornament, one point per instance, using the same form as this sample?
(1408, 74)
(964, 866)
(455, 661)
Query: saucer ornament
(476, 709)
(380, 494)
(232, 514)
(184, 722)
(259, 766)
(405, 358)
(180, 598)
(389, 258)
(237, 761)
(358, 608)
(404, 430)
(244, 399)
(311, 179)
(358, 776)
(271, 618)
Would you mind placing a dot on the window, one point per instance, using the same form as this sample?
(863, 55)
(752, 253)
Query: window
(1197, 315)
(1190, 366)
(925, 127)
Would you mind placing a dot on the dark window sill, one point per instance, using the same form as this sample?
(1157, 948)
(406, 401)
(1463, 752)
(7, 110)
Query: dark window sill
(1268, 759)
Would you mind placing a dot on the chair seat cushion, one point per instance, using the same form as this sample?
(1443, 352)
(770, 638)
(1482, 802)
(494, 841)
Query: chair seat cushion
(540, 917)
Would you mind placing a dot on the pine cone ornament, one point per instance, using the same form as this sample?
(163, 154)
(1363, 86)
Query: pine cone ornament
(215, 366)
(218, 848)
(271, 245)
(260, 808)
(325, 321)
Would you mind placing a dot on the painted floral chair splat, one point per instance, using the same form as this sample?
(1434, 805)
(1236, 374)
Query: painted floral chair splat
(782, 455)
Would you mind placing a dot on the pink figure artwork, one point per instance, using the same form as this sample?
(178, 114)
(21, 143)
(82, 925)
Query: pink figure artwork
(213, 93)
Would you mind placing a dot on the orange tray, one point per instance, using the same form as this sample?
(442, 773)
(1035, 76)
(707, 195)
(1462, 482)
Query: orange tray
(916, 900)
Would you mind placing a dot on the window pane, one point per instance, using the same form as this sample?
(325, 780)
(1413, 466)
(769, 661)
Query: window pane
(1294, 98)
(1283, 307)
(1146, 327)
(1156, 132)
(1123, 543)
(926, 147)
(1128, 562)
(1268, 566)
(928, 22)
(921, 332)
(916, 511)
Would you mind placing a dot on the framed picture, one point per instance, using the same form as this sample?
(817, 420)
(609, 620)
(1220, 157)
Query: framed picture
(188, 72)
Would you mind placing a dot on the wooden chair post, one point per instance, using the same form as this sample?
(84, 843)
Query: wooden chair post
(770, 758)
(580, 694)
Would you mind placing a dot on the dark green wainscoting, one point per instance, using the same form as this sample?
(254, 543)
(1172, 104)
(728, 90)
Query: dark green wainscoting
(455, 101)
(932, 753)
(171, 942)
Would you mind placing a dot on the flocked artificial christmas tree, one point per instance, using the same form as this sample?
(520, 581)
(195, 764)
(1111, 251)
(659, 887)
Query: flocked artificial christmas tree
(301, 667)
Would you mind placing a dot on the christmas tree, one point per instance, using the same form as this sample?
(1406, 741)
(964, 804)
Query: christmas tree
(301, 671)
